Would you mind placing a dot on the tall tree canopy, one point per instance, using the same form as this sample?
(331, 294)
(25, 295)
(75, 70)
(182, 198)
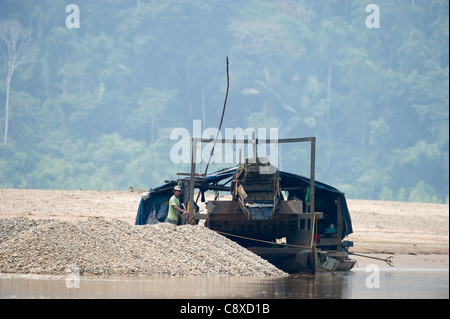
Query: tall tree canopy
(96, 108)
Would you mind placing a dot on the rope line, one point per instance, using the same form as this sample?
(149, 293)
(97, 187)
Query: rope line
(310, 247)
(260, 240)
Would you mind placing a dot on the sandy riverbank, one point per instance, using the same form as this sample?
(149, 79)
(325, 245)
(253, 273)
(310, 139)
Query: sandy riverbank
(416, 234)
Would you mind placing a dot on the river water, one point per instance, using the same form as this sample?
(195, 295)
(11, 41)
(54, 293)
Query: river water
(356, 284)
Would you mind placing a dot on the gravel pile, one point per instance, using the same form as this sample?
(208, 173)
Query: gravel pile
(101, 247)
(10, 227)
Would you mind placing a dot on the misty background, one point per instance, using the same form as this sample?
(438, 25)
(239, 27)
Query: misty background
(93, 107)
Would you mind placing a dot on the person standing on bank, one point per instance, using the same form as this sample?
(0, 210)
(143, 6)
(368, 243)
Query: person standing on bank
(174, 206)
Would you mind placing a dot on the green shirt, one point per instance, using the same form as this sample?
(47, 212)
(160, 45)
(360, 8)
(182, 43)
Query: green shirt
(173, 213)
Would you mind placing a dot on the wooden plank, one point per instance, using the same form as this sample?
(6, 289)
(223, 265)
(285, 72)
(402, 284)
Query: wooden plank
(192, 180)
(282, 215)
(188, 174)
(201, 216)
(285, 208)
(339, 218)
(329, 241)
(238, 227)
(258, 141)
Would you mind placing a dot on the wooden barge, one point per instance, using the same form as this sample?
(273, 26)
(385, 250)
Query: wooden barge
(296, 223)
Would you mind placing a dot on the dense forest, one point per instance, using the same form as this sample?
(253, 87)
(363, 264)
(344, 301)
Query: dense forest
(90, 91)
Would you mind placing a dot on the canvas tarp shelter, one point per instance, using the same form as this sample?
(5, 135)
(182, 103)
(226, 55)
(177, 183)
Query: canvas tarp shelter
(326, 197)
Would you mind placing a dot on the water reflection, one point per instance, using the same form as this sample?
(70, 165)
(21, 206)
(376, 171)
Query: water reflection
(392, 284)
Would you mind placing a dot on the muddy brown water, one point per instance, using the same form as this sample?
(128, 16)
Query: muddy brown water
(358, 284)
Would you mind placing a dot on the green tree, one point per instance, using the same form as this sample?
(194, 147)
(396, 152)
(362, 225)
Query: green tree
(16, 48)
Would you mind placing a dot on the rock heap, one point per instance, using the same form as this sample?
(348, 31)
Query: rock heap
(111, 247)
